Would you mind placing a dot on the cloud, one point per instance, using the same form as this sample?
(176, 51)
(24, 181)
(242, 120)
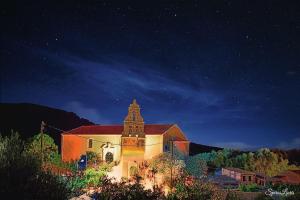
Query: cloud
(294, 144)
(85, 112)
(115, 79)
(234, 145)
(120, 79)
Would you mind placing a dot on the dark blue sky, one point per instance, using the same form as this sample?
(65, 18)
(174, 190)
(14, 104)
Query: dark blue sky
(228, 73)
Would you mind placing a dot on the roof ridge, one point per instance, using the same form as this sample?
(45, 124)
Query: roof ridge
(118, 129)
(119, 125)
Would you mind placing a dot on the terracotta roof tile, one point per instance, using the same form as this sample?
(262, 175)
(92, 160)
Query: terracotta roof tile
(150, 129)
(289, 176)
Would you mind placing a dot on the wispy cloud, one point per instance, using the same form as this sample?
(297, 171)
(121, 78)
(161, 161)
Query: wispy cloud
(114, 77)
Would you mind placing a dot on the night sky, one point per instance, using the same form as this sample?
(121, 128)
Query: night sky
(228, 73)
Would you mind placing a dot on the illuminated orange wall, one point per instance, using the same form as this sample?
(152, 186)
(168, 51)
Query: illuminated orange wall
(180, 140)
(182, 146)
(72, 147)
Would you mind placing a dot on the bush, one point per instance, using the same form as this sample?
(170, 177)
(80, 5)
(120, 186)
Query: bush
(248, 187)
(232, 196)
(76, 184)
(196, 166)
(123, 190)
(21, 174)
(93, 176)
(93, 158)
(195, 190)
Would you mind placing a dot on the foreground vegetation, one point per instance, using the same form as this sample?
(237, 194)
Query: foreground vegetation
(262, 161)
(24, 175)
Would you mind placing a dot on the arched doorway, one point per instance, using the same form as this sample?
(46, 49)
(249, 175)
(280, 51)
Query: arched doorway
(133, 171)
(109, 157)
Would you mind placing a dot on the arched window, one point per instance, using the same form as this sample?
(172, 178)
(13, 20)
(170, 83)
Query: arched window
(109, 157)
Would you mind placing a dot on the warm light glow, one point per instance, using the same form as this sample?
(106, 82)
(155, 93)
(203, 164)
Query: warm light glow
(116, 172)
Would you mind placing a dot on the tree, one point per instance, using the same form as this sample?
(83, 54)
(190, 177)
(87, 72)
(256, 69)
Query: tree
(197, 190)
(269, 163)
(163, 163)
(21, 174)
(50, 149)
(196, 166)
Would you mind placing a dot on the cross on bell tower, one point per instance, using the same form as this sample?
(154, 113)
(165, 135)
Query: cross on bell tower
(134, 122)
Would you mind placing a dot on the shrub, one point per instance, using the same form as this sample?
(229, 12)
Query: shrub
(196, 190)
(232, 196)
(21, 174)
(196, 166)
(50, 149)
(94, 176)
(91, 177)
(123, 190)
(248, 187)
(93, 157)
(76, 184)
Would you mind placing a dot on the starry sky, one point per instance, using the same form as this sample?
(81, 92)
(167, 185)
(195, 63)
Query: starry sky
(227, 72)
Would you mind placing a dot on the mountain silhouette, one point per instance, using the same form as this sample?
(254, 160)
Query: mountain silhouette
(26, 118)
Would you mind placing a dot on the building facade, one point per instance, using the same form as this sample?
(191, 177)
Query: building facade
(129, 144)
(244, 176)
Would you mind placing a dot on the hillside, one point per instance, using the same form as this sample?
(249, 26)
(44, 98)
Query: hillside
(26, 118)
(200, 148)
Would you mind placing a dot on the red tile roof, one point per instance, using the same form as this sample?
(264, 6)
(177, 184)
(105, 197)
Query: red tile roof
(289, 177)
(150, 129)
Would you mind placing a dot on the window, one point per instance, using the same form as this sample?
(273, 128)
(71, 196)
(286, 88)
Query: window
(249, 178)
(90, 143)
(167, 147)
(109, 157)
(244, 178)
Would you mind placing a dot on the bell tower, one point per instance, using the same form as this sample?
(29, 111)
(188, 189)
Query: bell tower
(132, 140)
(134, 122)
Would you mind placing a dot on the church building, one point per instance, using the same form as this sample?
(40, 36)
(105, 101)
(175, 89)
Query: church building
(129, 144)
